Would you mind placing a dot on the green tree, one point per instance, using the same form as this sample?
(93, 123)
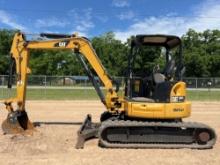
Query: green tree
(6, 37)
(201, 53)
(54, 63)
(112, 53)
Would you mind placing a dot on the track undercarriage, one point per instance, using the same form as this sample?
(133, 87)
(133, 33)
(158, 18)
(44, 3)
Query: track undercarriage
(116, 133)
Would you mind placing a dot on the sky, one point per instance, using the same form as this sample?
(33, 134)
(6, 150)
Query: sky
(123, 17)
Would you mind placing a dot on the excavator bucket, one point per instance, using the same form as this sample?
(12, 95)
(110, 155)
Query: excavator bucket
(17, 122)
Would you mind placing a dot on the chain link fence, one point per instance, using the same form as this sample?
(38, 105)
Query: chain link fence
(202, 83)
(55, 87)
(79, 87)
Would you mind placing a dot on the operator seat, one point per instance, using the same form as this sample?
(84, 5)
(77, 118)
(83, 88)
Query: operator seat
(163, 85)
(158, 78)
(168, 72)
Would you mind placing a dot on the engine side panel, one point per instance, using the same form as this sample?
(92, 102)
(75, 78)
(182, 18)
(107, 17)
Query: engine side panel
(157, 110)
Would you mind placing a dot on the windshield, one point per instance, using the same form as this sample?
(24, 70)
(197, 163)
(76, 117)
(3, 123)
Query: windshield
(146, 58)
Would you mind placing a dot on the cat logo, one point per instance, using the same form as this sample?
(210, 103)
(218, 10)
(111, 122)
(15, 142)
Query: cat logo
(61, 44)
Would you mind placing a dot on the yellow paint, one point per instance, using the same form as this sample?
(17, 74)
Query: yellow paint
(179, 89)
(158, 110)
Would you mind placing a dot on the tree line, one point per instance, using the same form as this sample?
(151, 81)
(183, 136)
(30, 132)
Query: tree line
(201, 52)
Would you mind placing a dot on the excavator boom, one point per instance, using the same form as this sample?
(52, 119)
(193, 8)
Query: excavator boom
(17, 120)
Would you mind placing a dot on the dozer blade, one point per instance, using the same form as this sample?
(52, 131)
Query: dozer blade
(87, 131)
(17, 122)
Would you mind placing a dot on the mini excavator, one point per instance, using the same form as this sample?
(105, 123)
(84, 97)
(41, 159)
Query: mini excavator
(148, 115)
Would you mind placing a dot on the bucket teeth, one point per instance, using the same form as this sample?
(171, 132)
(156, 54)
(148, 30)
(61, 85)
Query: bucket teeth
(17, 122)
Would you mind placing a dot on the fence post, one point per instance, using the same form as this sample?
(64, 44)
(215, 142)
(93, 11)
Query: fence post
(196, 83)
(85, 84)
(2, 86)
(45, 86)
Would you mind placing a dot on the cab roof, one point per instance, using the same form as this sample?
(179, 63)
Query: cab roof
(168, 41)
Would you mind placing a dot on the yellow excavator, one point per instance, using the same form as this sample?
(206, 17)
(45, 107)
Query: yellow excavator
(150, 113)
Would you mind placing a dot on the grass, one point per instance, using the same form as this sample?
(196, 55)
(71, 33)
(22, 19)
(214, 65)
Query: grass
(55, 94)
(203, 95)
(90, 94)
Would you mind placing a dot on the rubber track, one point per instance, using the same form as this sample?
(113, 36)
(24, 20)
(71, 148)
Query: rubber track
(187, 125)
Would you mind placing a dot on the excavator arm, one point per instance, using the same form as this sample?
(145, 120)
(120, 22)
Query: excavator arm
(20, 53)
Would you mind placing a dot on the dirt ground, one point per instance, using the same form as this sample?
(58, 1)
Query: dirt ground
(55, 138)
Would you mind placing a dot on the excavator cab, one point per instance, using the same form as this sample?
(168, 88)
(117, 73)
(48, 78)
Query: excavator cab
(155, 101)
(154, 88)
(154, 66)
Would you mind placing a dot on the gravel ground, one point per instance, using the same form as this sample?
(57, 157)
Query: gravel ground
(53, 141)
